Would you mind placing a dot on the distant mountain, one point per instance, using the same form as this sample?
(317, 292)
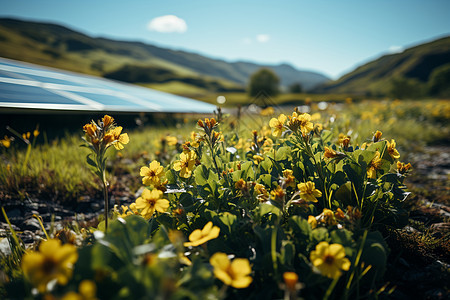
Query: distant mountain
(57, 46)
(415, 64)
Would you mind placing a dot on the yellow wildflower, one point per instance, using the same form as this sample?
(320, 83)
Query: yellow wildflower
(277, 125)
(374, 165)
(240, 184)
(328, 217)
(312, 221)
(6, 142)
(261, 192)
(305, 123)
(185, 164)
(329, 153)
(36, 133)
(52, 261)
(268, 111)
(290, 280)
(391, 149)
(91, 130)
(152, 174)
(151, 201)
(196, 138)
(119, 138)
(234, 273)
(289, 179)
(308, 191)
(329, 259)
(315, 116)
(26, 136)
(278, 193)
(377, 136)
(171, 140)
(198, 237)
(107, 121)
(258, 159)
(403, 168)
(86, 291)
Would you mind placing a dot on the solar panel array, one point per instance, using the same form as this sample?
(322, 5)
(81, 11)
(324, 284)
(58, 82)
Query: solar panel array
(30, 86)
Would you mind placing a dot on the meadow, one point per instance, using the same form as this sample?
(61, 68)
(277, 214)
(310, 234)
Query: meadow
(277, 203)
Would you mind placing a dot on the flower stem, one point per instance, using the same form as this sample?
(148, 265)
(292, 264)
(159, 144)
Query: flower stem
(105, 196)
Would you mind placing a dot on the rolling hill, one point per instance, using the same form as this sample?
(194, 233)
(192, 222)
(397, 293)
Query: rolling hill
(415, 64)
(136, 62)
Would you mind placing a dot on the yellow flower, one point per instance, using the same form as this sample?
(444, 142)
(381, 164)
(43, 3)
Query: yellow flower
(107, 121)
(278, 193)
(330, 259)
(277, 125)
(86, 291)
(268, 111)
(52, 261)
(374, 165)
(185, 164)
(305, 123)
(327, 216)
(36, 133)
(171, 140)
(377, 136)
(312, 221)
(289, 179)
(196, 138)
(115, 137)
(329, 153)
(403, 168)
(151, 201)
(258, 159)
(152, 174)
(90, 129)
(308, 191)
(6, 142)
(234, 273)
(198, 237)
(240, 184)
(290, 280)
(391, 149)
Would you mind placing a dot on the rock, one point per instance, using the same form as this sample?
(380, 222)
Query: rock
(5, 249)
(31, 224)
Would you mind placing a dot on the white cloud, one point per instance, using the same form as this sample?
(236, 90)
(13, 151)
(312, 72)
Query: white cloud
(168, 23)
(395, 49)
(263, 38)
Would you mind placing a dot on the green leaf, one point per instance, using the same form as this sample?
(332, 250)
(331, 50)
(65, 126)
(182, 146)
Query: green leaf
(228, 222)
(319, 235)
(201, 174)
(90, 161)
(283, 153)
(343, 237)
(301, 228)
(344, 193)
(265, 208)
(265, 179)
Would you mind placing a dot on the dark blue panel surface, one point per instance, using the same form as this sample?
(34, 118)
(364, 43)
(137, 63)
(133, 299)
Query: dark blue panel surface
(30, 94)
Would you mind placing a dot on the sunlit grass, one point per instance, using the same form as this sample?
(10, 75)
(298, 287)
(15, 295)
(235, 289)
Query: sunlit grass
(58, 170)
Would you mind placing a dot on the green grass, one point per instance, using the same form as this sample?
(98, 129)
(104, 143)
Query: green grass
(58, 170)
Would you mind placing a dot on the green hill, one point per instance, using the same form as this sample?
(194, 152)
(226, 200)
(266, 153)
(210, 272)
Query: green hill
(412, 68)
(136, 62)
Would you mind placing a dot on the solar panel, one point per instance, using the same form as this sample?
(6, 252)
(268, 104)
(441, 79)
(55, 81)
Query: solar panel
(30, 86)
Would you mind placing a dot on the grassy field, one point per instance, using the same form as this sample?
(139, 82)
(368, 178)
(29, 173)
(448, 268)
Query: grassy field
(58, 167)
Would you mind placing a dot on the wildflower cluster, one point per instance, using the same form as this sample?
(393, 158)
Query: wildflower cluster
(98, 138)
(293, 216)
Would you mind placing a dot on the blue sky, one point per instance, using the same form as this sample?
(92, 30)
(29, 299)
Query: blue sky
(331, 37)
